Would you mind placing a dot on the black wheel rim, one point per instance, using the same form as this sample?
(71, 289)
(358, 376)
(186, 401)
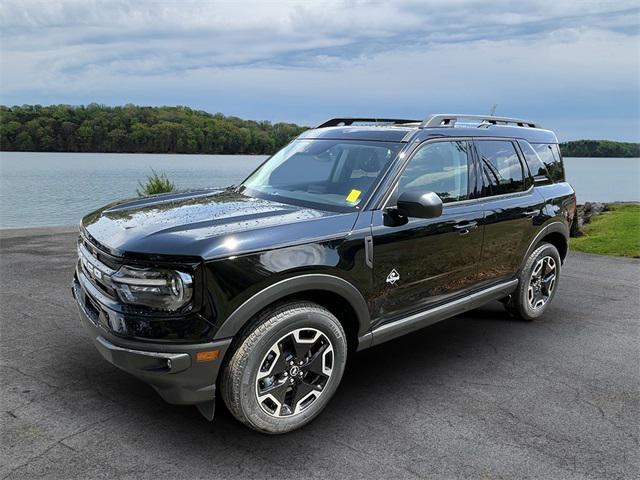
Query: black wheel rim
(294, 372)
(542, 282)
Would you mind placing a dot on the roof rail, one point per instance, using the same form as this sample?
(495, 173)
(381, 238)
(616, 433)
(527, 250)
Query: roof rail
(450, 119)
(335, 122)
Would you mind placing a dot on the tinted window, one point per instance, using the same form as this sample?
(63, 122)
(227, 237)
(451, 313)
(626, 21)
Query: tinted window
(501, 167)
(439, 167)
(536, 167)
(550, 156)
(331, 173)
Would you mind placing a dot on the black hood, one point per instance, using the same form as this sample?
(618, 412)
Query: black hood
(208, 223)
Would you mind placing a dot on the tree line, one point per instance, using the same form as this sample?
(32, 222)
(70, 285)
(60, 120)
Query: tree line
(136, 129)
(599, 148)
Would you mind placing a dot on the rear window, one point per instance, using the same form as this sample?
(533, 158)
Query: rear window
(549, 153)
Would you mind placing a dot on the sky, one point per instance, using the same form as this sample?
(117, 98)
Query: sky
(573, 66)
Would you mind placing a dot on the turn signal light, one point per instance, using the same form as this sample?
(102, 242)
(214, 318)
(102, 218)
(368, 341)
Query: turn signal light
(209, 356)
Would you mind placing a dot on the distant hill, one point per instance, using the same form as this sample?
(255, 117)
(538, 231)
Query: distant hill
(599, 148)
(135, 129)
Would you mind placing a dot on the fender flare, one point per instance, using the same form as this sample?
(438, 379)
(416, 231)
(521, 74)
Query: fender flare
(553, 227)
(289, 286)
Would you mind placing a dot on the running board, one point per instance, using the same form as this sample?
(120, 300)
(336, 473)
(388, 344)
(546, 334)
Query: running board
(397, 328)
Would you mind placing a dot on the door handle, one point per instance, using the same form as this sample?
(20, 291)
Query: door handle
(531, 213)
(466, 227)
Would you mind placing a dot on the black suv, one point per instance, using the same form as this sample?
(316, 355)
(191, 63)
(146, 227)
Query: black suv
(357, 232)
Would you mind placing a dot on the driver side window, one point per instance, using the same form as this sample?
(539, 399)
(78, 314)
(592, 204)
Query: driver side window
(440, 167)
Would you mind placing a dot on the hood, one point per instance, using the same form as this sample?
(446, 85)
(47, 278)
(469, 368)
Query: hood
(208, 224)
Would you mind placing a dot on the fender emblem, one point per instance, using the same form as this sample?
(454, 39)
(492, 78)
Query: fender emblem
(393, 277)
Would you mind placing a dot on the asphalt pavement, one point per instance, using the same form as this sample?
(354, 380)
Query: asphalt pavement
(476, 396)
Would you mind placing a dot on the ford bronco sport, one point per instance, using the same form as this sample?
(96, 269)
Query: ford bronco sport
(357, 232)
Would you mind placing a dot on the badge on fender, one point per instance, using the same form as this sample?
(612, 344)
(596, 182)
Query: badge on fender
(393, 277)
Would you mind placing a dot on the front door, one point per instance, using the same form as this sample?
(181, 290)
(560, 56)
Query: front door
(426, 261)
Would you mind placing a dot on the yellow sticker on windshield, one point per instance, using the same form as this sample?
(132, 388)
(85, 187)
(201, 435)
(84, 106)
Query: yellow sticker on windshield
(353, 196)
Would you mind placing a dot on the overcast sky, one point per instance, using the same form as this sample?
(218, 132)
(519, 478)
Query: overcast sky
(572, 65)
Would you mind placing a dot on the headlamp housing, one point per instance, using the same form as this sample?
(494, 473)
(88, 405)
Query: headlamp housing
(159, 289)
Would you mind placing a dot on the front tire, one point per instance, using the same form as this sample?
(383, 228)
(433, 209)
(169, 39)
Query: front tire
(537, 284)
(286, 367)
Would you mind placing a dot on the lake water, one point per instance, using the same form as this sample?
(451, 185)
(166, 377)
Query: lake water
(41, 189)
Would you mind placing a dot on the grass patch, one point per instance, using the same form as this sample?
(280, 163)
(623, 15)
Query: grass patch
(155, 184)
(616, 232)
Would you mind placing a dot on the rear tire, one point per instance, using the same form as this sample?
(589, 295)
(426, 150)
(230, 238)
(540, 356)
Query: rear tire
(286, 367)
(538, 281)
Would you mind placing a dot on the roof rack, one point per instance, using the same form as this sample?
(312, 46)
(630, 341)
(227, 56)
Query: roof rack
(335, 122)
(450, 119)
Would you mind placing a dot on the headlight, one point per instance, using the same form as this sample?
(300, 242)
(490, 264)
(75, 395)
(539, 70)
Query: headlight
(167, 290)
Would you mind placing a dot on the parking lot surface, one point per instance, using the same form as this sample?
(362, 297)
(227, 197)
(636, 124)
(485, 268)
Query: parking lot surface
(476, 396)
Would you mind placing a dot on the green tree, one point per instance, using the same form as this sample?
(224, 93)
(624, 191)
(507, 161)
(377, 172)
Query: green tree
(131, 128)
(599, 148)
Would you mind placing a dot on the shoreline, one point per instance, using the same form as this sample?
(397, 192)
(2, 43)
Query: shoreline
(176, 153)
(214, 154)
(10, 232)
(14, 232)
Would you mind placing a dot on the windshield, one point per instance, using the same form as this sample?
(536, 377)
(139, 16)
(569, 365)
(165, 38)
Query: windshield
(336, 174)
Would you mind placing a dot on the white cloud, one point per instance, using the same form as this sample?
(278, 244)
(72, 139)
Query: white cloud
(317, 58)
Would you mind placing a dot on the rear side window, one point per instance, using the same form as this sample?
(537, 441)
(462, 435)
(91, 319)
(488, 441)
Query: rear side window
(550, 156)
(501, 167)
(536, 167)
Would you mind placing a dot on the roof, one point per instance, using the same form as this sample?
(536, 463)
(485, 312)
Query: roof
(441, 125)
(376, 133)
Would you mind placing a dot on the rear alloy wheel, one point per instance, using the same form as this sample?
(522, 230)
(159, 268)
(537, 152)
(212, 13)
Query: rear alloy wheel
(541, 282)
(538, 280)
(285, 368)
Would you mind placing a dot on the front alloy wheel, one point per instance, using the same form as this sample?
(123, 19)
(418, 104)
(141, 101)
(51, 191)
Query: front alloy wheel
(285, 368)
(294, 372)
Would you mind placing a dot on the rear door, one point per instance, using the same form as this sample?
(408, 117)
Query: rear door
(513, 209)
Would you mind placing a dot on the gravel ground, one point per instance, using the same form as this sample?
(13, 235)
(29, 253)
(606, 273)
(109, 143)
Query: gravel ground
(476, 396)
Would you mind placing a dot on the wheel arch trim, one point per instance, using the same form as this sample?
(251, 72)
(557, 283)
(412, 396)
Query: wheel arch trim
(290, 286)
(554, 227)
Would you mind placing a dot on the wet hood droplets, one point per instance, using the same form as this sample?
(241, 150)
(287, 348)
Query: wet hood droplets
(207, 223)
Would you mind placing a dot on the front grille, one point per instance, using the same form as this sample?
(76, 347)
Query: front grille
(109, 260)
(95, 270)
(92, 310)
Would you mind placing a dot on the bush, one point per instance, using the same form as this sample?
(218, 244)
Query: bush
(155, 184)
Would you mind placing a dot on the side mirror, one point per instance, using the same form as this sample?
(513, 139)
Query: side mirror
(415, 203)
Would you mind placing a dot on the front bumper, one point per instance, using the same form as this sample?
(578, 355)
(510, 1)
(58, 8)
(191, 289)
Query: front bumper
(172, 370)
